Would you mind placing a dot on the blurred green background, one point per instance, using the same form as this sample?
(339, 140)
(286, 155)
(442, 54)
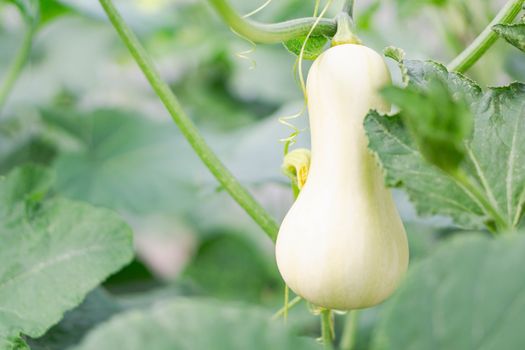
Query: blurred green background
(82, 107)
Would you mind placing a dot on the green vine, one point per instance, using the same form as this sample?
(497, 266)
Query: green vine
(187, 127)
(17, 65)
(275, 32)
(500, 223)
(348, 338)
(486, 39)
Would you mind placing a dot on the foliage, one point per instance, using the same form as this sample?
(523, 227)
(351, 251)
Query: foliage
(97, 307)
(312, 49)
(227, 266)
(437, 122)
(513, 33)
(460, 297)
(58, 251)
(102, 142)
(494, 150)
(179, 323)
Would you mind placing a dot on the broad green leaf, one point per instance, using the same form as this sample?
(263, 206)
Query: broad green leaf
(515, 65)
(205, 96)
(497, 149)
(438, 122)
(495, 152)
(98, 307)
(430, 189)
(186, 324)
(313, 48)
(513, 33)
(123, 161)
(53, 252)
(469, 294)
(231, 267)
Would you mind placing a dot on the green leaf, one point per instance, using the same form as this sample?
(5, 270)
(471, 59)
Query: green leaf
(23, 185)
(98, 307)
(512, 33)
(186, 324)
(395, 53)
(313, 48)
(231, 267)
(438, 122)
(398, 55)
(123, 161)
(495, 152)
(12, 343)
(515, 65)
(431, 190)
(53, 252)
(468, 295)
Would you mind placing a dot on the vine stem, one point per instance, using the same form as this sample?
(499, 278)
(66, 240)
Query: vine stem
(187, 127)
(326, 329)
(486, 206)
(486, 39)
(275, 32)
(16, 66)
(348, 338)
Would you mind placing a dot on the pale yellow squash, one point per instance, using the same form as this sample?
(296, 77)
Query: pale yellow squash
(342, 245)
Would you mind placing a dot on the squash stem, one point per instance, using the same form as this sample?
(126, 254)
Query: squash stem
(344, 34)
(186, 126)
(327, 335)
(486, 39)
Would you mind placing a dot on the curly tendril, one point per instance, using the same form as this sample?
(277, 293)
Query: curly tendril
(299, 78)
(244, 55)
(257, 9)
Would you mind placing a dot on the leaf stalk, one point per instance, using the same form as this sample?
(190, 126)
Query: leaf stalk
(486, 39)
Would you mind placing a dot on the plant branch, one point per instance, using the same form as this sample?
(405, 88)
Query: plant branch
(486, 39)
(348, 338)
(14, 70)
(271, 33)
(186, 126)
(483, 202)
(326, 329)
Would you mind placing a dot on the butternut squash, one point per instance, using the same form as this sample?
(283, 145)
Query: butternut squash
(342, 244)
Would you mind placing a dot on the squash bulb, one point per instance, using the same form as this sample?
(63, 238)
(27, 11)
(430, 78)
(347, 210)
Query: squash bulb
(342, 244)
